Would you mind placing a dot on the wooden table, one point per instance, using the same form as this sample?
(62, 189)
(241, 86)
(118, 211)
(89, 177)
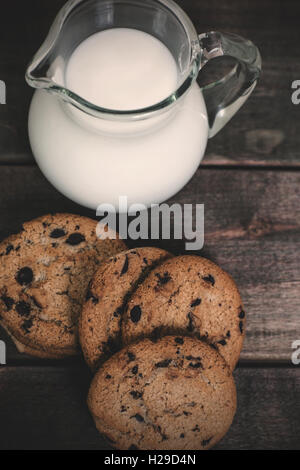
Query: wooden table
(249, 182)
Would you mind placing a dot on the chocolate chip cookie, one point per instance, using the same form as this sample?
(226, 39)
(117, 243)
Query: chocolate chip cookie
(176, 393)
(188, 295)
(44, 273)
(109, 290)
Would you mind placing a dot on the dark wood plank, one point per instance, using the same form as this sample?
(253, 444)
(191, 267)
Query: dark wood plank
(252, 226)
(268, 413)
(264, 132)
(44, 408)
(23, 26)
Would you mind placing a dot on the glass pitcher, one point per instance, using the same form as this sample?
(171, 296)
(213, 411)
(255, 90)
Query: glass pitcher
(95, 155)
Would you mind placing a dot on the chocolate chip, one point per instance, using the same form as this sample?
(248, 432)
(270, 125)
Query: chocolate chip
(193, 358)
(145, 260)
(156, 334)
(209, 279)
(27, 324)
(163, 279)
(24, 276)
(118, 312)
(196, 365)
(123, 409)
(91, 296)
(138, 417)
(125, 267)
(8, 301)
(136, 395)
(241, 327)
(135, 314)
(228, 334)
(9, 248)
(164, 363)
(181, 435)
(176, 292)
(135, 370)
(23, 309)
(205, 442)
(108, 377)
(57, 233)
(242, 314)
(190, 326)
(179, 340)
(131, 356)
(111, 346)
(196, 428)
(75, 239)
(223, 342)
(195, 303)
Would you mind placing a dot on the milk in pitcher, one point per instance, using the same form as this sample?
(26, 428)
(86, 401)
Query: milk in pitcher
(147, 161)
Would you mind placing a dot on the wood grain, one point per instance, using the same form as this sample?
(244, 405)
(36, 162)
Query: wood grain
(264, 132)
(252, 226)
(44, 408)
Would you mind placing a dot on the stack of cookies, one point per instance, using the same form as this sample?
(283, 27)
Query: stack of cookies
(162, 333)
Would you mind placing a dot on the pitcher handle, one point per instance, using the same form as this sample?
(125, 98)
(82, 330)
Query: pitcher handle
(225, 97)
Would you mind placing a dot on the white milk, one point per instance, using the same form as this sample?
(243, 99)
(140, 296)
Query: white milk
(94, 161)
(122, 69)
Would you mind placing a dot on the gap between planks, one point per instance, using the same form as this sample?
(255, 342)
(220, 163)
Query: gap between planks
(205, 165)
(243, 364)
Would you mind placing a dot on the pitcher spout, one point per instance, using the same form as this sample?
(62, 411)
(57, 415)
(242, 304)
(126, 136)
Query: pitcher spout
(46, 70)
(79, 19)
